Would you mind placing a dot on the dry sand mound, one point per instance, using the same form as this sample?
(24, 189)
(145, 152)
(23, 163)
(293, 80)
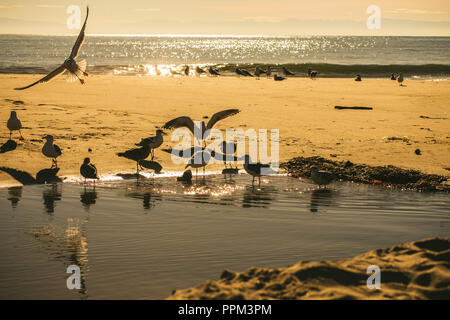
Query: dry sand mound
(416, 270)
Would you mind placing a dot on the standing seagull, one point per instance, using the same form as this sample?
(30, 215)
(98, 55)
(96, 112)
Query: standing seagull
(199, 160)
(137, 154)
(51, 150)
(213, 72)
(14, 124)
(238, 72)
(188, 123)
(287, 72)
(254, 169)
(199, 70)
(400, 79)
(269, 72)
(245, 73)
(155, 142)
(76, 70)
(88, 170)
(322, 178)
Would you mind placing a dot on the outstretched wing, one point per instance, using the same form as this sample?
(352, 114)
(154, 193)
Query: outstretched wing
(180, 122)
(77, 46)
(47, 78)
(220, 116)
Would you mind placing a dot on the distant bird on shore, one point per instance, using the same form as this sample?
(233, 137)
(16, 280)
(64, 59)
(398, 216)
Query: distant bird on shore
(312, 74)
(51, 150)
(8, 146)
(14, 124)
(393, 77)
(186, 71)
(88, 170)
(76, 70)
(187, 122)
(358, 77)
(259, 72)
(246, 73)
(137, 154)
(322, 178)
(286, 72)
(269, 72)
(400, 79)
(213, 72)
(199, 70)
(254, 169)
(278, 78)
(155, 141)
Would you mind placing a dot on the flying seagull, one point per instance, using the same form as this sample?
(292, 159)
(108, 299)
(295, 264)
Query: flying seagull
(188, 123)
(76, 70)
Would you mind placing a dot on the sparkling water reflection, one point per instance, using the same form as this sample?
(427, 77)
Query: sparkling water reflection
(142, 240)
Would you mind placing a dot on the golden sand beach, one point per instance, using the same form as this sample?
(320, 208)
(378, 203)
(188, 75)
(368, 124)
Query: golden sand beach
(109, 114)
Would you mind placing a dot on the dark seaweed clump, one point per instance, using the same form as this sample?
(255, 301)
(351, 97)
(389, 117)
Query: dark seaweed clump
(386, 175)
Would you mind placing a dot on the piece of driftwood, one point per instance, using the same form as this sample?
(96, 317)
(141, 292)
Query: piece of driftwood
(353, 108)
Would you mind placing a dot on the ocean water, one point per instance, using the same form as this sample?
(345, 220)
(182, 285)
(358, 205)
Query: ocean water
(333, 56)
(141, 241)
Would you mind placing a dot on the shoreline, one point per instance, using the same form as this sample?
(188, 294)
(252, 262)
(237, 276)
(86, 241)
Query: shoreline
(415, 270)
(109, 114)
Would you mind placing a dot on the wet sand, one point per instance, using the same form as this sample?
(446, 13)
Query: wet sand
(416, 270)
(111, 113)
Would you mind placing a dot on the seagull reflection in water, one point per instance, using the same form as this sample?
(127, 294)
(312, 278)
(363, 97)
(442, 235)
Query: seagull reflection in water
(14, 195)
(50, 195)
(321, 198)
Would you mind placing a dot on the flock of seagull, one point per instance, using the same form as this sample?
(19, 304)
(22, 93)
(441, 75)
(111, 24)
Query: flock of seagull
(76, 70)
(198, 157)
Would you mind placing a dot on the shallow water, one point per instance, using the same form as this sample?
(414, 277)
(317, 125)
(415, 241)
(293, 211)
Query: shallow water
(136, 55)
(144, 240)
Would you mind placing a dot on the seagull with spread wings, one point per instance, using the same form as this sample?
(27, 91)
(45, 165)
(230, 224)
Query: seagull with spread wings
(205, 129)
(76, 70)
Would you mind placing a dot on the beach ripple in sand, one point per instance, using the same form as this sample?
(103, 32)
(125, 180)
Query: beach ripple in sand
(416, 270)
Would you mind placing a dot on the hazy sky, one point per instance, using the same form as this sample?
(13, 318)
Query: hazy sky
(282, 17)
